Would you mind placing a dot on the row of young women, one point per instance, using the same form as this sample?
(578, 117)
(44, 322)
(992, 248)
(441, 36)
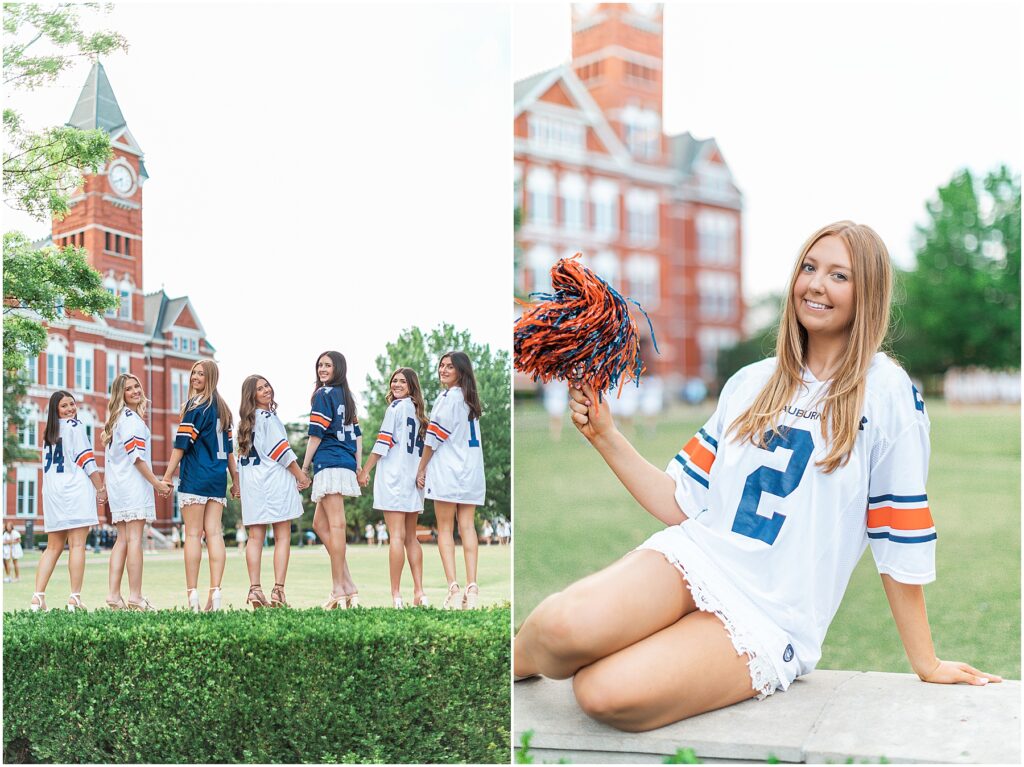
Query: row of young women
(440, 458)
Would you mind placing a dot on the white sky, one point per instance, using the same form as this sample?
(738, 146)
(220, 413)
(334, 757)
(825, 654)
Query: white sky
(828, 110)
(321, 177)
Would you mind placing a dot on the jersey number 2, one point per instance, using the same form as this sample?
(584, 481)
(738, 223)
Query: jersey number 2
(778, 483)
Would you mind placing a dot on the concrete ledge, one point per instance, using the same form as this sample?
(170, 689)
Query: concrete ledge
(825, 716)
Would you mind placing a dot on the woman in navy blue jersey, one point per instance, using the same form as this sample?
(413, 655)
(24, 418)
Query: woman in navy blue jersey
(202, 446)
(335, 451)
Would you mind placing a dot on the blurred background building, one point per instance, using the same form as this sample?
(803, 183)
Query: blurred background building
(657, 216)
(152, 336)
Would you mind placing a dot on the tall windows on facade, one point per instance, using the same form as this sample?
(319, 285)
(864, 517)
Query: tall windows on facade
(32, 369)
(710, 341)
(111, 286)
(716, 237)
(124, 311)
(179, 388)
(27, 488)
(642, 215)
(84, 354)
(56, 364)
(719, 296)
(642, 132)
(541, 259)
(573, 192)
(117, 363)
(540, 191)
(28, 434)
(547, 132)
(643, 274)
(604, 197)
(606, 265)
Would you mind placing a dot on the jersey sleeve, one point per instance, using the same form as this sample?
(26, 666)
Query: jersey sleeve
(386, 435)
(900, 529)
(132, 434)
(272, 440)
(442, 420)
(690, 468)
(82, 450)
(188, 429)
(320, 415)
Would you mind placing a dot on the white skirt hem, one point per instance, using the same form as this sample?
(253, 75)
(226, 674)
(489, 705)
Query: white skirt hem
(147, 513)
(335, 481)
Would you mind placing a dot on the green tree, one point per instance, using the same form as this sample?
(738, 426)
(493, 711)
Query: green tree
(41, 170)
(421, 352)
(962, 302)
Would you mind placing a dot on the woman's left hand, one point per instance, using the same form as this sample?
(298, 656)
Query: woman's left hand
(421, 478)
(236, 491)
(954, 672)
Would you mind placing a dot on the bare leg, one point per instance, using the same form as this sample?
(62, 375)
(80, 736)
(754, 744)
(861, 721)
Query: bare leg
(395, 520)
(686, 669)
(17, 572)
(54, 548)
(118, 556)
(470, 546)
(76, 559)
(133, 534)
(334, 509)
(282, 550)
(444, 512)
(7, 566)
(600, 615)
(192, 517)
(321, 526)
(254, 552)
(414, 551)
(215, 550)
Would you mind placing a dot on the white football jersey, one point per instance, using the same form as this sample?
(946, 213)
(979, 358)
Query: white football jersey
(269, 492)
(127, 489)
(788, 535)
(456, 470)
(399, 445)
(69, 499)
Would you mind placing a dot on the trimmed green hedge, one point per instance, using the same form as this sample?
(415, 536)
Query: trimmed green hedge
(367, 685)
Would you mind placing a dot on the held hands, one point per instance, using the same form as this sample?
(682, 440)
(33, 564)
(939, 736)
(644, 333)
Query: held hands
(593, 419)
(954, 672)
(163, 488)
(363, 477)
(303, 483)
(421, 478)
(236, 489)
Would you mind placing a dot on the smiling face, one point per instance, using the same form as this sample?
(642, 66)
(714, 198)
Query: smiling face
(264, 394)
(132, 393)
(197, 381)
(399, 386)
(447, 373)
(324, 369)
(67, 408)
(823, 293)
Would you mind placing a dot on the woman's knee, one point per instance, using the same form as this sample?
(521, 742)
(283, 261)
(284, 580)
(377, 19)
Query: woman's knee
(605, 696)
(559, 626)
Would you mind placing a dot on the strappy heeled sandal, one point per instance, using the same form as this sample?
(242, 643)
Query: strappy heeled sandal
(75, 603)
(40, 605)
(277, 598)
(397, 602)
(256, 597)
(117, 604)
(352, 600)
(469, 598)
(421, 601)
(335, 602)
(192, 595)
(453, 599)
(213, 605)
(144, 606)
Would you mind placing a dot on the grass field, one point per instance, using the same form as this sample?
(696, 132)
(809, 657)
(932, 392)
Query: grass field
(308, 584)
(572, 517)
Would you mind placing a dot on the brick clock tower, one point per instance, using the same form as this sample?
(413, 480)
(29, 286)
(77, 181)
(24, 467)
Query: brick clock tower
(152, 336)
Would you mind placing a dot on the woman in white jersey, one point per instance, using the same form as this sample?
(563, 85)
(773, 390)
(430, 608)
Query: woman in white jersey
(130, 482)
(727, 611)
(271, 481)
(451, 472)
(72, 488)
(396, 453)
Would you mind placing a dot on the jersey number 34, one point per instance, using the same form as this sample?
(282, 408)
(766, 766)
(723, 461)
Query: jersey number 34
(778, 483)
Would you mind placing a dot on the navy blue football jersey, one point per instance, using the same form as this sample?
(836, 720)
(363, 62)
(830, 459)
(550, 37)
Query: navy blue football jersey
(206, 444)
(337, 448)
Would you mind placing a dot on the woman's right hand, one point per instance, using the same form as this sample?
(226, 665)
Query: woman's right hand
(593, 419)
(163, 488)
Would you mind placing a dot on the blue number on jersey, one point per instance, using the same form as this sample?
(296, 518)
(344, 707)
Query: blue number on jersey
(253, 456)
(473, 441)
(411, 423)
(779, 483)
(55, 453)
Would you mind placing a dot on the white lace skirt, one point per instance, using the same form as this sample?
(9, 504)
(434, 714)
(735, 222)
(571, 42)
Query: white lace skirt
(187, 499)
(147, 513)
(751, 633)
(335, 481)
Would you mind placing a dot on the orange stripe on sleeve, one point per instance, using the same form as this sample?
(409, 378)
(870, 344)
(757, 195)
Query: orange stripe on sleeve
(900, 519)
(699, 454)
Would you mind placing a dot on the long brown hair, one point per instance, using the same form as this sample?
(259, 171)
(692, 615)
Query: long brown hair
(844, 403)
(415, 394)
(247, 412)
(51, 434)
(467, 381)
(340, 378)
(116, 404)
(209, 394)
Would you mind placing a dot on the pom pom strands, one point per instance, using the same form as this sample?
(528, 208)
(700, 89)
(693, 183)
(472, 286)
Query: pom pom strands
(581, 332)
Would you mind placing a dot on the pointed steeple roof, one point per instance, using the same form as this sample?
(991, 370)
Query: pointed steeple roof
(97, 106)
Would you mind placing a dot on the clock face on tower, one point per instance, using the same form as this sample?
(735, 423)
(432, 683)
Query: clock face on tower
(122, 179)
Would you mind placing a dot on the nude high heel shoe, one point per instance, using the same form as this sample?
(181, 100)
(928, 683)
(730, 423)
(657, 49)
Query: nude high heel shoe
(193, 599)
(214, 605)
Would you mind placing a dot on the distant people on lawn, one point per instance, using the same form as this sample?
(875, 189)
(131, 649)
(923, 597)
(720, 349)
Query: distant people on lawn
(13, 553)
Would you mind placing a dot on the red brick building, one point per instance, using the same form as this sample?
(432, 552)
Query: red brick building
(657, 216)
(155, 337)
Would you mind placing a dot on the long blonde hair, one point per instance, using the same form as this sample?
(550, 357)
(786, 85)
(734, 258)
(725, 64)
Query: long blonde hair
(209, 394)
(247, 412)
(116, 404)
(844, 404)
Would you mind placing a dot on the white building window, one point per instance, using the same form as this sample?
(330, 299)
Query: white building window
(606, 264)
(117, 363)
(84, 355)
(32, 369)
(27, 501)
(56, 364)
(88, 420)
(719, 296)
(125, 293)
(604, 196)
(642, 214)
(642, 131)
(540, 191)
(28, 435)
(111, 285)
(541, 259)
(716, 237)
(179, 388)
(710, 341)
(547, 132)
(643, 274)
(573, 192)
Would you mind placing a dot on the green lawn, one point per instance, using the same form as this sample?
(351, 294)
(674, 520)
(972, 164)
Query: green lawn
(573, 517)
(309, 580)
